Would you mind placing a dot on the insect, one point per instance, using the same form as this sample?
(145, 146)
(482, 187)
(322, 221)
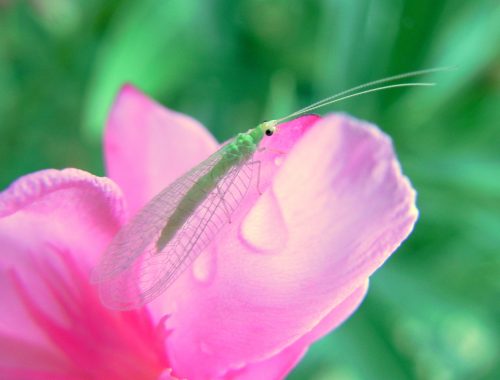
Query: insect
(150, 252)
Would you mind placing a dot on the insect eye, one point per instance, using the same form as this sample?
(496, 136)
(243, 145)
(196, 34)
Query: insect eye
(269, 132)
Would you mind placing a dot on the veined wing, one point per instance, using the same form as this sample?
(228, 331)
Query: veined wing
(133, 238)
(149, 272)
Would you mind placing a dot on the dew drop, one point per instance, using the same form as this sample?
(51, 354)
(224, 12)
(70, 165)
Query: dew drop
(205, 348)
(264, 229)
(278, 160)
(203, 268)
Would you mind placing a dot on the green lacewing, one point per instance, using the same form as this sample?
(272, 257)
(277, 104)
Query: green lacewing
(164, 238)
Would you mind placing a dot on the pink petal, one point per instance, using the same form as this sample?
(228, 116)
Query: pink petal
(278, 366)
(69, 205)
(53, 226)
(148, 146)
(334, 208)
(69, 208)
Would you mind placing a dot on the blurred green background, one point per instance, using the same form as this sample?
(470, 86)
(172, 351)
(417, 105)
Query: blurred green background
(433, 311)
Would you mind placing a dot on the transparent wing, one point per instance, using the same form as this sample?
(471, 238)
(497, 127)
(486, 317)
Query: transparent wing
(134, 237)
(133, 272)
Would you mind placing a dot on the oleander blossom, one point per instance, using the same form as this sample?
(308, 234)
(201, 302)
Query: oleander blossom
(291, 266)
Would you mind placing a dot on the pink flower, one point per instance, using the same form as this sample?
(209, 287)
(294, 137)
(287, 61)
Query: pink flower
(293, 264)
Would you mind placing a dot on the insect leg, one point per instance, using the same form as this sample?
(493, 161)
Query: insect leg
(258, 163)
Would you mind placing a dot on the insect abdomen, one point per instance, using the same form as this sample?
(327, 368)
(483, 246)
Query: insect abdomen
(195, 196)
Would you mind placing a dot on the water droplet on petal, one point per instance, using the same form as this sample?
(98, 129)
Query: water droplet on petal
(278, 160)
(264, 229)
(205, 348)
(204, 267)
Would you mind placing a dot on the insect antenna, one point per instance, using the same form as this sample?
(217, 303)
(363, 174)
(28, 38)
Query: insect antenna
(350, 93)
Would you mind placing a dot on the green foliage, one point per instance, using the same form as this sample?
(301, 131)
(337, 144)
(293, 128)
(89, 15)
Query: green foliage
(433, 311)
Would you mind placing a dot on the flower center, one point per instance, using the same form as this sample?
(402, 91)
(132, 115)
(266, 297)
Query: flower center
(93, 341)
